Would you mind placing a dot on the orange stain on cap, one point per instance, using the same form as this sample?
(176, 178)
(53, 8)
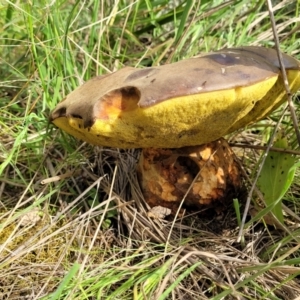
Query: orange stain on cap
(116, 102)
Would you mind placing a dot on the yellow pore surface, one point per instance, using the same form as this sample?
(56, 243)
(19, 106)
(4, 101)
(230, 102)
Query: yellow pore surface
(182, 121)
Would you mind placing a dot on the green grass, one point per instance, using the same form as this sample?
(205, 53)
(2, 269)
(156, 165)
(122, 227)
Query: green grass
(88, 236)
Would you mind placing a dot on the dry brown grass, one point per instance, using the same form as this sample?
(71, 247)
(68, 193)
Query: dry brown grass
(84, 204)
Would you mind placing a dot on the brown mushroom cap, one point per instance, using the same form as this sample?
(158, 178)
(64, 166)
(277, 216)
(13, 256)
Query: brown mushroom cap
(190, 102)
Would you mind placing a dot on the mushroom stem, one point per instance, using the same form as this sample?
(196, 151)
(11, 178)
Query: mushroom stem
(166, 175)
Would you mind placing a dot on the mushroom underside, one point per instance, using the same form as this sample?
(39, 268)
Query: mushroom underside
(190, 102)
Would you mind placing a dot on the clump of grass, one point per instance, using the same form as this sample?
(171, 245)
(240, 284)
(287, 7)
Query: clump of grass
(90, 237)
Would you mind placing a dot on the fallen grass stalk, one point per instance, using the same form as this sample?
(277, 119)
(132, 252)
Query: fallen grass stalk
(94, 239)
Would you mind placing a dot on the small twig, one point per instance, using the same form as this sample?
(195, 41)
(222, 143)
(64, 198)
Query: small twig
(259, 147)
(185, 195)
(253, 187)
(283, 72)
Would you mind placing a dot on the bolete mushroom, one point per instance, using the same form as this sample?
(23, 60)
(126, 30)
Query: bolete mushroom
(187, 103)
